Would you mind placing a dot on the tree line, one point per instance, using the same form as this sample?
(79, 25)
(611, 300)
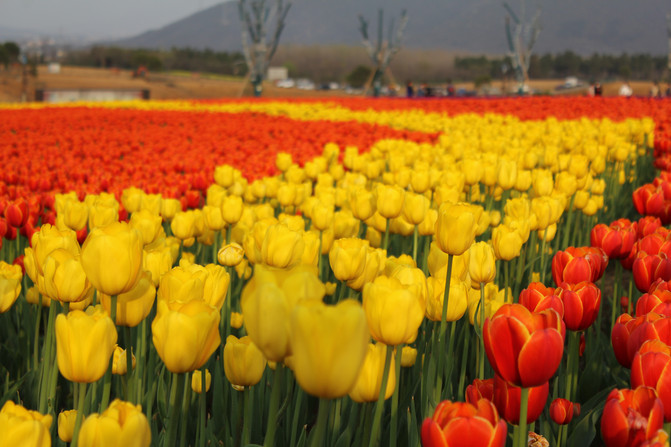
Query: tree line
(568, 63)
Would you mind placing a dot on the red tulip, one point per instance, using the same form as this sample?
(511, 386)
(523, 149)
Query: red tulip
(537, 297)
(480, 389)
(648, 268)
(649, 201)
(616, 240)
(16, 213)
(562, 411)
(630, 333)
(650, 244)
(575, 265)
(456, 424)
(647, 225)
(581, 304)
(630, 417)
(524, 348)
(507, 398)
(652, 367)
(657, 300)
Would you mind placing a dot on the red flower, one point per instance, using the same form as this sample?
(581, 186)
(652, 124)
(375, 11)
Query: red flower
(524, 348)
(647, 225)
(630, 333)
(649, 201)
(631, 417)
(507, 398)
(616, 240)
(575, 265)
(648, 268)
(479, 389)
(16, 213)
(562, 411)
(463, 424)
(537, 297)
(581, 304)
(657, 300)
(652, 367)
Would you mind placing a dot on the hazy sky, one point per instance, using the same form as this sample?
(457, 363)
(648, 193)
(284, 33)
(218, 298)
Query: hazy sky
(95, 18)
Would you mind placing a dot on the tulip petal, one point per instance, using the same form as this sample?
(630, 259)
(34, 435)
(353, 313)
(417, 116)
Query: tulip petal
(432, 436)
(506, 337)
(540, 357)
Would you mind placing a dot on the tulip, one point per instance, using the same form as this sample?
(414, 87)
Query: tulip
(348, 258)
(650, 368)
(369, 382)
(47, 240)
(244, 363)
(102, 215)
(133, 306)
(329, 346)
(393, 310)
(120, 361)
(231, 209)
(456, 304)
(64, 277)
(231, 255)
(10, 285)
(112, 258)
(507, 397)
(185, 334)
(649, 268)
(616, 240)
(22, 427)
(460, 423)
(183, 225)
(197, 381)
(224, 175)
(576, 265)
(507, 242)
(494, 299)
(408, 356)
(537, 297)
(373, 267)
(562, 411)
(157, 260)
(581, 304)
(66, 425)
(480, 389)
(524, 348)
(482, 265)
(648, 200)
(122, 424)
(148, 224)
(647, 225)
(281, 248)
(16, 213)
(84, 344)
(415, 207)
(169, 208)
(631, 417)
(456, 227)
(73, 214)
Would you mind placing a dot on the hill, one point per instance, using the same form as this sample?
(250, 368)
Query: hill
(584, 26)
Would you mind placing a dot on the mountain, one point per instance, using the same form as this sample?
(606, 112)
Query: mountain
(584, 26)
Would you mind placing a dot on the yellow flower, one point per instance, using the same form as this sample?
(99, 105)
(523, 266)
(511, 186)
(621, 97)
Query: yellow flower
(362, 203)
(10, 285)
(494, 299)
(45, 241)
(389, 200)
(415, 208)
(185, 334)
(102, 215)
(120, 361)
(112, 258)
(148, 224)
(183, 225)
(66, 424)
(507, 242)
(329, 346)
(408, 356)
(22, 427)
(231, 255)
(369, 382)
(244, 363)
(224, 175)
(375, 263)
(232, 209)
(197, 381)
(121, 424)
(322, 216)
(157, 260)
(456, 227)
(236, 320)
(345, 225)
(84, 344)
(131, 199)
(64, 277)
(73, 214)
(183, 283)
(457, 302)
(169, 208)
(482, 265)
(393, 310)
(33, 297)
(283, 161)
(348, 258)
(282, 248)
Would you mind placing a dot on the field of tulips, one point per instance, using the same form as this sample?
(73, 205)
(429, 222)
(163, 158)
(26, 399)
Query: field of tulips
(351, 272)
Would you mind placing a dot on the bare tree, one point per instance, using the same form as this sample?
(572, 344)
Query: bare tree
(521, 37)
(258, 50)
(382, 53)
(668, 34)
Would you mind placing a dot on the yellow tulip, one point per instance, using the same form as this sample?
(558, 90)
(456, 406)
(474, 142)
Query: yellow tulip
(345, 225)
(329, 346)
(10, 285)
(362, 203)
(133, 306)
(283, 161)
(232, 209)
(64, 277)
(231, 255)
(456, 227)
(375, 263)
(151, 203)
(237, 320)
(542, 182)
(122, 424)
(322, 216)
(131, 199)
(48, 239)
(183, 225)
(408, 356)
(157, 260)
(457, 302)
(22, 427)
(169, 208)
(482, 265)
(183, 283)
(120, 361)
(148, 224)
(282, 248)
(84, 344)
(33, 297)
(420, 180)
(185, 334)
(415, 208)
(244, 363)
(216, 285)
(112, 258)
(389, 200)
(494, 299)
(102, 215)
(224, 175)
(369, 382)
(197, 381)
(74, 215)
(507, 242)
(66, 424)
(507, 173)
(348, 258)
(393, 310)
(428, 226)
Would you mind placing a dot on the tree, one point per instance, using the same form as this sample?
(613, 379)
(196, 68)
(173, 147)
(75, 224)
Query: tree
(256, 47)
(382, 53)
(521, 37)
(358, 77)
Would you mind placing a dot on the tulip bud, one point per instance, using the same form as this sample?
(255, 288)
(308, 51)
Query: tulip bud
(482, 265)
(66, 424)
(456, 227)
(231, 255)
(362, 203)
(120, 361)
(369, 382)
(348, 258)
(282, 248)
(10, 285)
(408, 356)
(236, 320)
(197, 381)
(243, 361)
(562, 411)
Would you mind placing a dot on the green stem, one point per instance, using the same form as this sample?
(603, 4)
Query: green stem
(186, 401)
(140, 361)
(415, 236)
(319, 256)
(464, 362)
(560, 435)
(543, 255)
(524, 404)
(131, 378)
(481, 352)
(175, 404)
(247, 422)
(80, 413)
(202, 415)
(36, 338)
(380, 398)
(571, 363)
(506, 272)
(443, 325)
(47, 364)
(322, 418)
(616, 300)
(385, 243)
(295, 425)
(274, 405)
(569, 218)
(394, 398)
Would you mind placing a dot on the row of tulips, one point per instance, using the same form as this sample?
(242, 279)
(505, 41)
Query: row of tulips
(316, 262)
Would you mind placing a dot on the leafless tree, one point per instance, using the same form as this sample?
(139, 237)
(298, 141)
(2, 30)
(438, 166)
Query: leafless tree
(382, 53)
(521, 37)
(257, 47)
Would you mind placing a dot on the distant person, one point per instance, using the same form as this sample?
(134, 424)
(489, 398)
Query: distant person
(590, 89)
(409, 89)
(667, 91)
(421, 91)
(655, 92)
(598, 89)
(626, 90)
(450, 90)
